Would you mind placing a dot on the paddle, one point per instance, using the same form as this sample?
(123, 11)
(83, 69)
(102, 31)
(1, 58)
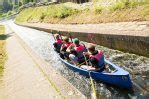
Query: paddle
(92, 83)
(82, 63)
(60, 35)
(53, 36)
(70, 37)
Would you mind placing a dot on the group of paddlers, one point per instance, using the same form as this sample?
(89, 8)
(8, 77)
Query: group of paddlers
(76, 53)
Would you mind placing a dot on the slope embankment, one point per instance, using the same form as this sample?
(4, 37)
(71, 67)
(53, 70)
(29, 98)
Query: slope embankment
(87, 13)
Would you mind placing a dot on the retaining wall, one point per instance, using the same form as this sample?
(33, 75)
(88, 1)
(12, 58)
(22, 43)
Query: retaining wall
(127, 43)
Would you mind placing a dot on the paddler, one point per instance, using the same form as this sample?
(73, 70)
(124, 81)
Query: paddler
(96, 59)
(65, 45)
(76, 51)
(58, 43)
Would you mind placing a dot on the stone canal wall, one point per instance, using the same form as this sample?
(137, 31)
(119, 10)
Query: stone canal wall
(131, 41)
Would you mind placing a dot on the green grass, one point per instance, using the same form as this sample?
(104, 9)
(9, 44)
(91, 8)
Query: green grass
(126, 5)
(9, 13)
(69, 13)
(98, 9)
(2, 49)
(118, 6)
(39, 13)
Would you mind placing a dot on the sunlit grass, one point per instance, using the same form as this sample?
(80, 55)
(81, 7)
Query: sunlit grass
(67, 13)
(2, 49)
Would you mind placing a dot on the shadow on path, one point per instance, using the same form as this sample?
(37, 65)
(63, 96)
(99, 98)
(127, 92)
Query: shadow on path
(5, 36)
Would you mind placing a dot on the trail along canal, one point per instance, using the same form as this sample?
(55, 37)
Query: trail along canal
(42, 43)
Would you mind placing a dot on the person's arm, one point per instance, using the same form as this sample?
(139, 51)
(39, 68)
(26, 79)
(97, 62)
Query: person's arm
(62, 47)
(87, 53)
(70, 47)
(94, 63)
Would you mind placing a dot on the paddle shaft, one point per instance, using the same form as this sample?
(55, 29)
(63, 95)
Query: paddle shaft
(70, 37)
(92, 83)
(82, 63)
(86, 60)
(60, 35)
(53, 36)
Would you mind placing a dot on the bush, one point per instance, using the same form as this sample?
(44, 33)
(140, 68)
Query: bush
(65, 12)
(126, 4)
(9, 13)
(117, 6)
(61, 11)
(42, 16)
(98, 9)
(135, 4)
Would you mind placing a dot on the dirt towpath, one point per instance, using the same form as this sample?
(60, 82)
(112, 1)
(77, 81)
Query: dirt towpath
(120, 28)
(22, 77)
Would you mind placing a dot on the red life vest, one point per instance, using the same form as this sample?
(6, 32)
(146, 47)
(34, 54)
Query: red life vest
(100, 58)
(80, 49)
(97, 56)
(59, 42)
(67, 44)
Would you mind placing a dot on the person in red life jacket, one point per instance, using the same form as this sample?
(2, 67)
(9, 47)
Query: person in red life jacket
(96, 59)
(58, 43)
(76, 49)
(65, 45)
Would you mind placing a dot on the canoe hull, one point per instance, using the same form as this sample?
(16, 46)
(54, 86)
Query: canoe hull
(120, 78)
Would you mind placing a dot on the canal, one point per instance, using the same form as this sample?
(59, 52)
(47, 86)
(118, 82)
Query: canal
(42, 43)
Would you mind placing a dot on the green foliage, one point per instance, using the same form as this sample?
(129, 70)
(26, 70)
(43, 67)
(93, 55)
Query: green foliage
(118, 6)
(58, 12)
(61, 11)
(40, 13)
(24, 15)
(9, 13)
(1, 10)
(126, 4)
(20, 3)
(134, 4)
(7, 5)
(42, 16)
(98, 9)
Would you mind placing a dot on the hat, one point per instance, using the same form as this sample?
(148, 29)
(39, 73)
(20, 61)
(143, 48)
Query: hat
(76, 40)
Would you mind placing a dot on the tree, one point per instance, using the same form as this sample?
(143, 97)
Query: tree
(7, 5)
(1, 10)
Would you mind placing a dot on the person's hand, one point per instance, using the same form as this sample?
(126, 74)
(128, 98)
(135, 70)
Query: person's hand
(84, 53)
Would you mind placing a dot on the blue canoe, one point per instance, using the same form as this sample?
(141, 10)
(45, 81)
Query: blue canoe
(118, 77)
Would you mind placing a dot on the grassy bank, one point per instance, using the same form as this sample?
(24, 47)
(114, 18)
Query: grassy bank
(2, 49)
(89, 13)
